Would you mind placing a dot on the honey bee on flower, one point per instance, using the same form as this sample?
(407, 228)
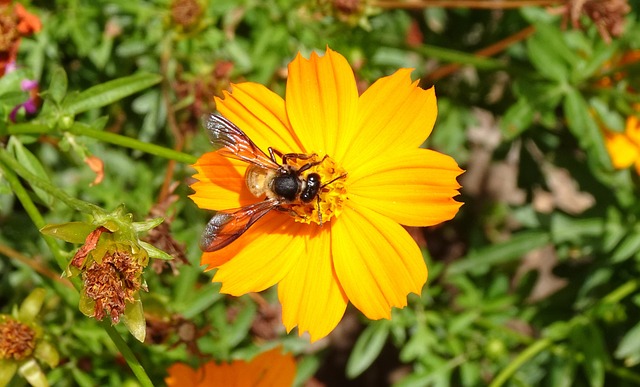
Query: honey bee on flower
(313, 191)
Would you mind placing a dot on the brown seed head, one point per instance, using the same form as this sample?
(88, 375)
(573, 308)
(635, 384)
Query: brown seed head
(17, 340)
(112, 283)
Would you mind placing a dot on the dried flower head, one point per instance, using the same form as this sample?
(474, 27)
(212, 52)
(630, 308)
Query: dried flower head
(15, 22)
(607, 15)
(110, 262)
(23, 343)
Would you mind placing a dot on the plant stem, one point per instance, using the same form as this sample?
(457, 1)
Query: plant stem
(112, 138)
(30, 208)
(523, 357)
(52, 190)
(620, 292)
(128, 355)
(132, 143)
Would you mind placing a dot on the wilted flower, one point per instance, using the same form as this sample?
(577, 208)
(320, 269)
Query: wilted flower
(346, 243)
(15, 22)
(270, 368)
(110, 262)
(22, 343)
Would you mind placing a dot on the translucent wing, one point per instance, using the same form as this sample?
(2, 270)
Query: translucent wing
(227, 226)
(233, 143)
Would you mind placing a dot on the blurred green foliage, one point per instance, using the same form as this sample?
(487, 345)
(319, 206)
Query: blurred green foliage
(535, 282)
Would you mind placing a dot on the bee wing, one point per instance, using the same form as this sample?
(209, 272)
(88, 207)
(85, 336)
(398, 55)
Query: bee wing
(227, 226)
(233, 143)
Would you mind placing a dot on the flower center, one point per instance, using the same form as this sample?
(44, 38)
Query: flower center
(17, 340)
(331, 195)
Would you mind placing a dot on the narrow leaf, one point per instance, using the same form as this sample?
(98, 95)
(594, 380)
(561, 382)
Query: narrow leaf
(109, 92)
(367, 348)
(584, 128)
(33, 165)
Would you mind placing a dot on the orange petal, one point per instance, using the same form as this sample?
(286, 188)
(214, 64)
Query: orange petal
(310, 294)
(622, 150)
(415, 188)
(394, 112)
(376, 261)
(221, 184)
(272, 368)
(261, 257)
(181, 374)
(261, 115)
(322, 102)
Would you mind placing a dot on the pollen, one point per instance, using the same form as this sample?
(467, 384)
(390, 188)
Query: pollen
(17, 340)
(332, 194)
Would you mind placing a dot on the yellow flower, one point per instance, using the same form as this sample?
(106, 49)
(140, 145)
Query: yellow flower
(348, 243)
(270, 368)
(624, 148)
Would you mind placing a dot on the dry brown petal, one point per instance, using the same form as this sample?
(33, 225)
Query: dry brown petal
(96, 166)
(90, 244)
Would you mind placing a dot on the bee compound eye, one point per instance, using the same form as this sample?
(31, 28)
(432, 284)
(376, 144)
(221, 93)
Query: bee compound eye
(311, 189)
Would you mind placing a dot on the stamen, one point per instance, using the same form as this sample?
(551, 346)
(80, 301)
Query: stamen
(331, 196)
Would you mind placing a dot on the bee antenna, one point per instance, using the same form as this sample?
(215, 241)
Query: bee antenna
(337, 178)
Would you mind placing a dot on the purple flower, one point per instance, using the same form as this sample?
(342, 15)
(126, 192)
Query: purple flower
(30, 106)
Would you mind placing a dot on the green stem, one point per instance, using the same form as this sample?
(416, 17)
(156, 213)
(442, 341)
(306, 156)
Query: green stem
(522, 358)
(32, 210)
(52, 190)
(128, 355)
(112, 138)
(620, 292)
(132, 143)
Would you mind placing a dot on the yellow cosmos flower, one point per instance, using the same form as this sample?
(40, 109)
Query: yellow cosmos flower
(624, 148)
(348, 243)
(270, 368)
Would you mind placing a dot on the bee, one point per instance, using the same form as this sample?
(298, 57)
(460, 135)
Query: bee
(281, 183)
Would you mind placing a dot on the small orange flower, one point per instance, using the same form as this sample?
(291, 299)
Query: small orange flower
(624, 148)
(348, 245)
(270, 368)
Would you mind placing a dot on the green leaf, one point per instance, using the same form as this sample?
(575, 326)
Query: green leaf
(31, 305)
(241, 325)
(481, 260)
(109, 92)
(134, 319)
(517, 119)
(563, 370)
(549, 53)
(367, 348)
(629, 246)
(58, 86)
(155, 252)
(32, 164)
(629, 347)
(610, 118)
(74, 232)
(584, 128)
(588, 338)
